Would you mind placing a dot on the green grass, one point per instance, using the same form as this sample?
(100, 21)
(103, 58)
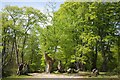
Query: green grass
(101, 75)
(15, 77)
(21, 76)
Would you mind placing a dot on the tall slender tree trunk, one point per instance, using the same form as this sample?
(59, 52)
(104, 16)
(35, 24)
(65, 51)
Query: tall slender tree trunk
(22, 53)
(104, 64)
(119, 50)
(32, 56)
(102, 44)
(16, 50)
(3, 51)
(94, 63)
(4, 45)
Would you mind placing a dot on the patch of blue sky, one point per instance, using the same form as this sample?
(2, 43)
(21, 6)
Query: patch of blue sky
(32, 0)
(37, 5)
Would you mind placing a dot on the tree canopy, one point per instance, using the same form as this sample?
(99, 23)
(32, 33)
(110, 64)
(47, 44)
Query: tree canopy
(86, 33)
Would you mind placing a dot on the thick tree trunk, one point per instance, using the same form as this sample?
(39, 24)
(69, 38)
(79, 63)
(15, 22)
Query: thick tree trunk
(77, 64)
(49, 63)
(60, 68)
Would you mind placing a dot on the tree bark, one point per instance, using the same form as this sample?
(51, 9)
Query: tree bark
(16, 50)
(22, 53)
(49, 63)
(104, 64)
(3, 51)
(118, 50)
(94, 63)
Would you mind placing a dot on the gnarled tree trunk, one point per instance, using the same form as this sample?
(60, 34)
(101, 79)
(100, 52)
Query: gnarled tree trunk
(49, 62)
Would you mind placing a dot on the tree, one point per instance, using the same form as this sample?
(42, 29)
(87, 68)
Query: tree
(91, 30)
(15, 32)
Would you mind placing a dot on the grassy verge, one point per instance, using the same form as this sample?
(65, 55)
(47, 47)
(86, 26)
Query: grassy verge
(21, 76)
(16, 77)
(101, 75)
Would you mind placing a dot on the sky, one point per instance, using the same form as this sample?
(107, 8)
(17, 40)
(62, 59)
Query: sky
(37, 4)
(40, 4)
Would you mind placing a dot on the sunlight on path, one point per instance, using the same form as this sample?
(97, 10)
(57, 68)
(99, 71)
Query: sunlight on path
(44, 75)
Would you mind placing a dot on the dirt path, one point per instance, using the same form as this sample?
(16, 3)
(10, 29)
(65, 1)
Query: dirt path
(44, 75)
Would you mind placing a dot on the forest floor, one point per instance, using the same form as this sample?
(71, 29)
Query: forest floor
(44, 75)
(64, 75)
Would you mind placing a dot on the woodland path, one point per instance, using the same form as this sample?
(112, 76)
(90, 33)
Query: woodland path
(44, 75)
